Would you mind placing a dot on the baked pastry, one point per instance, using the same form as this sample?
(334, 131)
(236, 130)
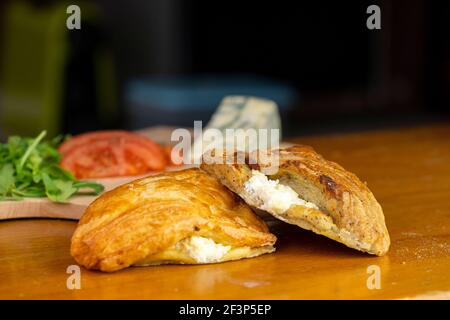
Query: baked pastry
(180, 217)
(307, 191)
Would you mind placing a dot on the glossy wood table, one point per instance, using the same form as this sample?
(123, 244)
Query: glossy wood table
(407, 169)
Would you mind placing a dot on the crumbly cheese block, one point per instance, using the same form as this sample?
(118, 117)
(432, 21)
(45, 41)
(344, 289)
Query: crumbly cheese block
(245, 112)
(241, 113)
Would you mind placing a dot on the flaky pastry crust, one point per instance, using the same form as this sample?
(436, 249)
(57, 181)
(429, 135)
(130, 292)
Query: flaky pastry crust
(143, 218)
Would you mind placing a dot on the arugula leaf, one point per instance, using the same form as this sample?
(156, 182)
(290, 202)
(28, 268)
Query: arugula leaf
(29, 167)
(95, 187)
(58, 190)
(30, 149)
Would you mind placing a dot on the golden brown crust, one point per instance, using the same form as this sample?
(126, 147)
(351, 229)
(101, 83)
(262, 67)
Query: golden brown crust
(348, 211)
(144, 217)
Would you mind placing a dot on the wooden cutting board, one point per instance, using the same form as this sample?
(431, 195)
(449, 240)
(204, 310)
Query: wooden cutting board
(43, 208)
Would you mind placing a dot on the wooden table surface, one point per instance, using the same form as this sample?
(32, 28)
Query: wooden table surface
(407, 169)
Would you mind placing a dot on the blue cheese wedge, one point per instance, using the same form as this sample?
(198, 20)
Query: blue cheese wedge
(238, 121)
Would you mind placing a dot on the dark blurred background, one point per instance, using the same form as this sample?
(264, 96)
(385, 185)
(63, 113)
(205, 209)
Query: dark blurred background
(140, 63)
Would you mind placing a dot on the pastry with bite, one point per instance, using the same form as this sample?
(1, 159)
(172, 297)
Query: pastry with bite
(307, 191)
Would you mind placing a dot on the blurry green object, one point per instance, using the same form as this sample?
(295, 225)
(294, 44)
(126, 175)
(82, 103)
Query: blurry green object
(36, 51)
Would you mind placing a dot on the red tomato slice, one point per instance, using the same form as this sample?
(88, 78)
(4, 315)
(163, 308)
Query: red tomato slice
(111, 153)
(85, 138)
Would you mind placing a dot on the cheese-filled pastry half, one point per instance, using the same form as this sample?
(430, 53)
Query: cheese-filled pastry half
(310, 192)
(180, 217)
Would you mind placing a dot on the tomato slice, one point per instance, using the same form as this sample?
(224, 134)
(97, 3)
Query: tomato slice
(111, 153)
(85, 138)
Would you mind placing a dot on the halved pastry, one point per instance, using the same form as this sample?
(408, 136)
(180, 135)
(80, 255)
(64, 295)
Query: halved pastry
(181, 217)
(307, 191)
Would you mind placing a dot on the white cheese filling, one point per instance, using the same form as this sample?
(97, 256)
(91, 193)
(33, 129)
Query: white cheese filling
(272, 196)
(203, 250)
